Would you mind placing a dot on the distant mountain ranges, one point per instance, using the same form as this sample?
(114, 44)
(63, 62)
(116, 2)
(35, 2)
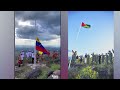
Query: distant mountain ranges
(31, 48)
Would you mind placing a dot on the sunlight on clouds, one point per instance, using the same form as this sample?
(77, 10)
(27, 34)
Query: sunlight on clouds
(25, 23)
(55, 36)
(54, 42)
(24, 42)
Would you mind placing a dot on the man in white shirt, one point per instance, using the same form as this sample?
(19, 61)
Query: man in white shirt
(30, 53)
(22, 55)
(27, 56)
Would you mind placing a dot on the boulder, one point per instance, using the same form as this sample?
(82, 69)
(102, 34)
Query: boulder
(50, 73)
(53, 77)
(50, 77)
(54, 74)
(33, 74)
(57, 72)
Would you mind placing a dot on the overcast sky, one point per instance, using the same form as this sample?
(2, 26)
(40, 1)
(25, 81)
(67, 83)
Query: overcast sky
(47, 27)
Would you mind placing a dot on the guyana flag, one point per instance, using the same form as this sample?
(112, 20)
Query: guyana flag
(85, 25)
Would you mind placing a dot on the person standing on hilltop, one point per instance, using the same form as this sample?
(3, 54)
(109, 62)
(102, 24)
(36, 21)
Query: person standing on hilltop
(27, 56)
(106, 58)
(103, 57)
(85, 58)
(37, 57)
(74, 54)
(88, 59)
(99, 59)
(93, 58)
(22, 56)
(55, 55)
(19, 61)
(80, 58)
(110, 57)
(32, 57)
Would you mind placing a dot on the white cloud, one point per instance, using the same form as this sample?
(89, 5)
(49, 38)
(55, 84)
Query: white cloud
(24, 23)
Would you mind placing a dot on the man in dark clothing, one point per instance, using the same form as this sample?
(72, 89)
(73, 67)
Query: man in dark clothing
(106, 58)
(103, 57)
(85, 58)
(88, 58)
(80, 59)
(110, 56)
(99, 59)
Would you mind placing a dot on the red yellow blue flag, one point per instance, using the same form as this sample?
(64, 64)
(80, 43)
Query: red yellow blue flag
(40, 47)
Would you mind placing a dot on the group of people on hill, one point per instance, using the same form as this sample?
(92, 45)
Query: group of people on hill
(29, 55)
(93, 58)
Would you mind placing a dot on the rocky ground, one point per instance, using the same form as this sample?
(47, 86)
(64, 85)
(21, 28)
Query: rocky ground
(36, 71)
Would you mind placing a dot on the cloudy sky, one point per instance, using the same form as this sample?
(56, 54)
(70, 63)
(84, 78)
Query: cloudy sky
(47, 27)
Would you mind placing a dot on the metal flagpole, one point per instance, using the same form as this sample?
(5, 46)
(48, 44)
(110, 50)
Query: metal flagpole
(78, 33)
(35, 47)
(75, 46)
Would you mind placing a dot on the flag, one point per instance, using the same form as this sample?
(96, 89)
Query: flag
(85, 25)
(40, 52)
(40, 47)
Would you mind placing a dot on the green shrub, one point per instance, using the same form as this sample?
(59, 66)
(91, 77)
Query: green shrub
(72, 72)
(87, 73)
(54, 67)
(43, 75)
(44, 72)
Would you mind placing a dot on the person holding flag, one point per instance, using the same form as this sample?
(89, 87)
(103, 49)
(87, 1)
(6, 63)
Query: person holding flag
(32, 57)
(39, 47)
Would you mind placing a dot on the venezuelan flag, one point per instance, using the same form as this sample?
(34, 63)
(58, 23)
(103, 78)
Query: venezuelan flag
(40, 47)
(40, 52)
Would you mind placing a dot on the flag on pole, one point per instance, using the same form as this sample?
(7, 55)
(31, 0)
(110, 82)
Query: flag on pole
(40, 47)
(40, 52)
(85, 25)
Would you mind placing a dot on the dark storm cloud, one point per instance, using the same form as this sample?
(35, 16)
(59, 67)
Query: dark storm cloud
(49, 17)
(29, 32)
(26, 32)
(47, 21)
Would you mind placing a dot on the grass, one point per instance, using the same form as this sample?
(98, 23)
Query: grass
(54, 67)
(44, 73)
